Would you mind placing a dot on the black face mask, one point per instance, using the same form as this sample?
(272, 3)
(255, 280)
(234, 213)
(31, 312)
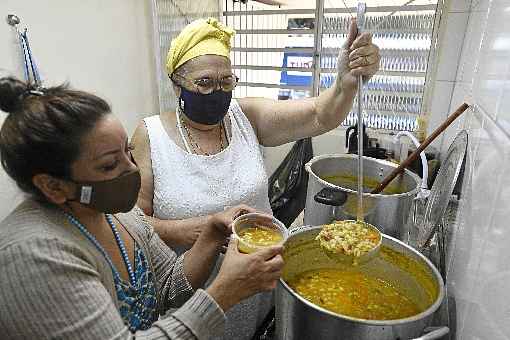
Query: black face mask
(207, 109)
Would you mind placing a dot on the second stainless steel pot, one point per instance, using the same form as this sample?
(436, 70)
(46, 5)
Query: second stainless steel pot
(326, 202)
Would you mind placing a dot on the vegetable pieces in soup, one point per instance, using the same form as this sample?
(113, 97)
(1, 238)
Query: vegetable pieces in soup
(351, 238)
(354, 294)
(260, 236)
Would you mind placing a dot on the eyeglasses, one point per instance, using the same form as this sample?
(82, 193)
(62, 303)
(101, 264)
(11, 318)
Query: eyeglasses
(208, 85)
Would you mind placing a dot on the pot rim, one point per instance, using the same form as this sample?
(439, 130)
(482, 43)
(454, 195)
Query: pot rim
(432, 308)
(308, 167)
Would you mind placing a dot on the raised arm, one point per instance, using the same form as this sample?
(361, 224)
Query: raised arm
(279, 122)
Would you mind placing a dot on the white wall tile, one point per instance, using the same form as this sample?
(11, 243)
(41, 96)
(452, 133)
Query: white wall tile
(475, 124)
(479, 274)
(460, 95)
(499, 41)
(448, 61)
(460, 6)
(451, 45)
(471, 47)
(473, 212)
(480, 5)
(503, 115)
(485, 282)
(480, 326)
(442, 95)
(493, 65)
(472, 226)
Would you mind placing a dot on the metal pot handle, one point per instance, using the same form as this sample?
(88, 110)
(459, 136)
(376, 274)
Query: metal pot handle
(435, 334)
(294, 230)
(330, 196)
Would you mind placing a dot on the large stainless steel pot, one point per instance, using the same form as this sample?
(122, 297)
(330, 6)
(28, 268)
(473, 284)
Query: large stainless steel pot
(326, 202)
(298, 319)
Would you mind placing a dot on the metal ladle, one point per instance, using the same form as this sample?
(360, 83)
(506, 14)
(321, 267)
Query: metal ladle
(362, 8)
(343, 258)
(340, 256)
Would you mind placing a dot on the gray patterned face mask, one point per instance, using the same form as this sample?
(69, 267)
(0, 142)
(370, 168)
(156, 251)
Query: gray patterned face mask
(112, 196)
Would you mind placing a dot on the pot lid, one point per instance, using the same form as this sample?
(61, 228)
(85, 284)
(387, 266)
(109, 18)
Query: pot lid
(442, 188)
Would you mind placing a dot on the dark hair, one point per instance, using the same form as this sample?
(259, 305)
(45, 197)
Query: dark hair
(44, 128)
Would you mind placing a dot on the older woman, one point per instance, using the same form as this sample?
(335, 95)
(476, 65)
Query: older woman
(77, 262)
(206, 155)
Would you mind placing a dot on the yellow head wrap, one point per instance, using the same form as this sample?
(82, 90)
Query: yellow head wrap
(200, 37)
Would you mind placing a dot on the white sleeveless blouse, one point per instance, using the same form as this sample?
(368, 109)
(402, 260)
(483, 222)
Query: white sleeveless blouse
(188, 185)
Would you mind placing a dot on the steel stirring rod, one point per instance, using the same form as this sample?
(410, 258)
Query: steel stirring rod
(362, 8)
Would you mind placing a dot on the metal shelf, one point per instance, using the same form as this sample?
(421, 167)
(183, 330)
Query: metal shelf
(402, 73)
(380, 9)
(305, 31)
(389, 113)
(388, 93)
(383, 52)
(383, 31)
(271, 68)
(274, 49)
(310, 11)
(385, 120)
(165, 15)
(385, 131)
(395, 93)
(275, 86)
(326, 50)
(325, 70)
(169, 32)
(276, 31)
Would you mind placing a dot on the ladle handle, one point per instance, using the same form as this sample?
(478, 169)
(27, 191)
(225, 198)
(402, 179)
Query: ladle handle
(360, 20)
(422, 147)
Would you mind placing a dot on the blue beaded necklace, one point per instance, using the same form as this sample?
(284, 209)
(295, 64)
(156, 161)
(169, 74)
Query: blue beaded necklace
(118, 239)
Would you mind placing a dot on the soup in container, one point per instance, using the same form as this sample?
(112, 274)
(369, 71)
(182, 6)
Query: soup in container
(255, 231)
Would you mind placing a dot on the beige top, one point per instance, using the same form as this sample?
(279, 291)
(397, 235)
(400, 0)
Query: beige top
(54, 282)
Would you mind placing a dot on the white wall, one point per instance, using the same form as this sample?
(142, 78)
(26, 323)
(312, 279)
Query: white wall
(100, 46)
(451, 33)
(479, 274)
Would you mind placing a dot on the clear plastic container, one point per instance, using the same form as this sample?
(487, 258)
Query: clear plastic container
(265, 223)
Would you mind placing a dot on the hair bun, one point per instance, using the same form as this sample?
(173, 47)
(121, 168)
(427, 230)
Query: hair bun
(11, 91)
